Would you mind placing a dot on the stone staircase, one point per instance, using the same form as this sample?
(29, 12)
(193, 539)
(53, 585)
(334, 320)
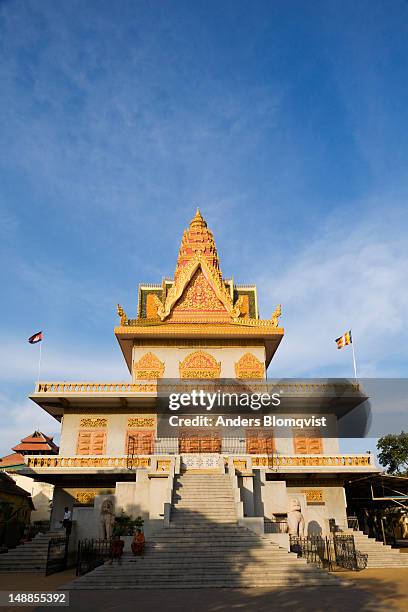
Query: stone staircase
(206, 497)
(204, 547)
(30, 557)
(379, 554)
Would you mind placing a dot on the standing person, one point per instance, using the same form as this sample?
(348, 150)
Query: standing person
(67, 522)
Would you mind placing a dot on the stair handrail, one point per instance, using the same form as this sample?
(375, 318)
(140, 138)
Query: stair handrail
(232, 473)
(169, 493)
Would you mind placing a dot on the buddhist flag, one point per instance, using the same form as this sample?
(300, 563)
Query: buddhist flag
(36, 338)
(344, 340)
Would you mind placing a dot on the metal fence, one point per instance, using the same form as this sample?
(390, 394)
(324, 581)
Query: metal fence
(352, 523)
(330, 553)
(57, 555)
(275, 527)
(91, 554)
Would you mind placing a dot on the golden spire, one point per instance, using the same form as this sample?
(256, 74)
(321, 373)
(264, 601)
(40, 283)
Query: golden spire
(197, 238)
(198, 221)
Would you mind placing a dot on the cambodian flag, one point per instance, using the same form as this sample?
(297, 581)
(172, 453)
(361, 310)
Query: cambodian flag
(36, 338)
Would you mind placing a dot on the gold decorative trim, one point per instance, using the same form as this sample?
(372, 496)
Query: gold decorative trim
(314, 496)
(240, 464)
(94, 387)
(85, 497)
(148, 367)
(236, 327)
(163, 465)
(249, 366)
(307, 461)
(93, 423)
(196, 343)
(200, 365)
(141, 422)
(43, 461)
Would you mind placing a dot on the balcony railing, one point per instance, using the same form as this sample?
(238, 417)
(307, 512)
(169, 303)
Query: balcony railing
(242, 462)
(80, 461)
(95, 387)
(289, 389)
(289, 461)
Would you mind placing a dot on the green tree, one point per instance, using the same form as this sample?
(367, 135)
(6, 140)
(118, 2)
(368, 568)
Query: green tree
(394, 453)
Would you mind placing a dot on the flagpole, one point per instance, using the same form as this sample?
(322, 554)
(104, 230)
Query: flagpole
(39, 363)
(354, 357)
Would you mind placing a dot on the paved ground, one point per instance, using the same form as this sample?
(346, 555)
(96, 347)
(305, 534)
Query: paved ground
(370, 590)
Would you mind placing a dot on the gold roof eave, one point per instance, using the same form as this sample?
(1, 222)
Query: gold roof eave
(256, 329)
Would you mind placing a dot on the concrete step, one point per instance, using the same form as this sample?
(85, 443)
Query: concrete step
(29, 557)
(197, 583)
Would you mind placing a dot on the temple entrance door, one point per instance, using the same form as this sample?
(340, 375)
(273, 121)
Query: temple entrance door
(199, 442)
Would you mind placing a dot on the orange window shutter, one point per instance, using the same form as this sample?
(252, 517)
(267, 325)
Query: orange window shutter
(259, 443)
(84, 443)
(91, 443)
(142, 442)
(308, 442)
(315, 446)
(98, 443)
(300, 444)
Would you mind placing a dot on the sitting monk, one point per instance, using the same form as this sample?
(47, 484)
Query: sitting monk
(138, 542)
(116, 549)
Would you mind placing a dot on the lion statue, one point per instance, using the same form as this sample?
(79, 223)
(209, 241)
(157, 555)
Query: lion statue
(107, 518)
(296, 522)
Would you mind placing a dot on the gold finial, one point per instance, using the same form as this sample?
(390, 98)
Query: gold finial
(122, 315)
(198, 220)
(275, 315)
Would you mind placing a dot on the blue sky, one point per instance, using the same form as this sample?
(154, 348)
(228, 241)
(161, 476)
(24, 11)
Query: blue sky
(286, 122)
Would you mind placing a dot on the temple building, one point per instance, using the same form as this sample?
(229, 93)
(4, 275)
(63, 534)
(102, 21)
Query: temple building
(197, 325)
(36, 444)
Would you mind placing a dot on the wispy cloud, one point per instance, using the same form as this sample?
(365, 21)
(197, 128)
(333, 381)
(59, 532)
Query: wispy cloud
(346, 277)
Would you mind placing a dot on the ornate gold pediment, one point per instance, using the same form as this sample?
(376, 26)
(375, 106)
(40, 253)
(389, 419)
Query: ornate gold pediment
(148, 367)
(198, 298)
(249, 366)
(209, 275)
(200, 365)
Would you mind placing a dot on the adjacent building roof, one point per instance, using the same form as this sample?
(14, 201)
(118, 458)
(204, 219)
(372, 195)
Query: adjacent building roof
(12, 460)
(37, 442)
(8, 485)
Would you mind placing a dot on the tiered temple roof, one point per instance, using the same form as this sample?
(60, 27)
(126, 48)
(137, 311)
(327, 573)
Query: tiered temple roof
(198, 302)
(36, 443)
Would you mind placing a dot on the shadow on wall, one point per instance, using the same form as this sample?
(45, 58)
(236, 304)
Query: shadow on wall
(314, 529)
